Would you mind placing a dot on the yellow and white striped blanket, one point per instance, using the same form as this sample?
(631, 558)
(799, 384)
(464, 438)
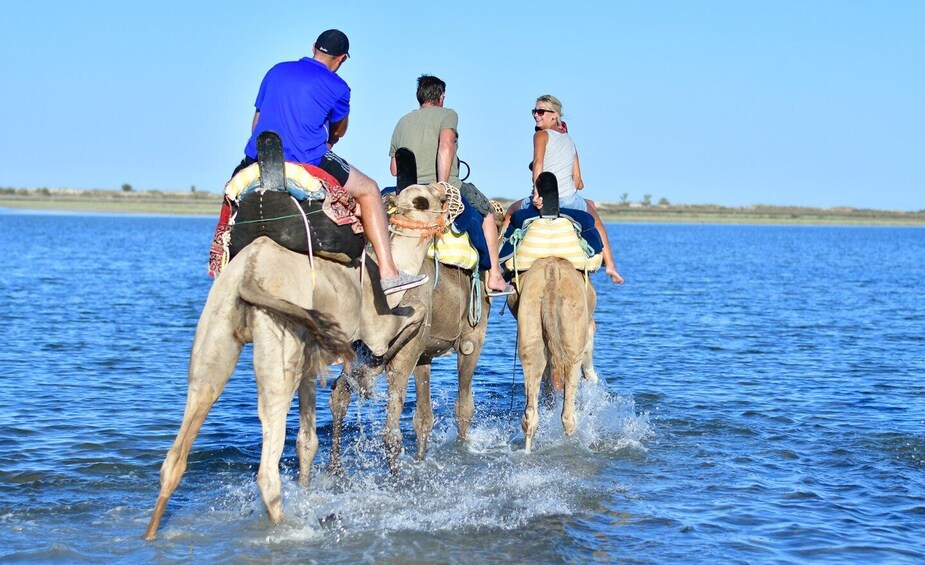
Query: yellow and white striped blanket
(551, 237)
(454, 249)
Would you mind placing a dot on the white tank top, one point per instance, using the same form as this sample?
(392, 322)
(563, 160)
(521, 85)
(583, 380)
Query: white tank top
(560, 160)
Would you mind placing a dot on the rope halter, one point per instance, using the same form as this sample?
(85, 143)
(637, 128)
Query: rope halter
(400, 223)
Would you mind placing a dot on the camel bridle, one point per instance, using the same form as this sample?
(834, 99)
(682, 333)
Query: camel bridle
(401, 224)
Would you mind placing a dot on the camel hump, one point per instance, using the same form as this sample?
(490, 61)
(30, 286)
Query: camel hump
(271, 160)
(406, 167)
(548, 188)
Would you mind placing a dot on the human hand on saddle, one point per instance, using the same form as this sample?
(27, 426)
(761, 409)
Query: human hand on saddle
(537, 199)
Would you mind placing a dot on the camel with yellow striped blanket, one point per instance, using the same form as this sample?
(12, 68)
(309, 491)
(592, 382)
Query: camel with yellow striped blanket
(555, 317)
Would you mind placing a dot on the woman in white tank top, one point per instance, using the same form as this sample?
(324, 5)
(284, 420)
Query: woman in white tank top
(555, 152)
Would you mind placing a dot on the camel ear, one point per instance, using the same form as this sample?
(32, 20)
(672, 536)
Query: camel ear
(391, 201)
(437, 192)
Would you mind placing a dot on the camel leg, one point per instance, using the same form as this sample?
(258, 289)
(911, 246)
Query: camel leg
(576, 350)
(569, 417)
(398, 373)
(398, 388)
(278, 369)
(307, 440)
(465, 404)
(339, 402)
(423, 412)
(211, 364)
(587, 361)
(533, 361)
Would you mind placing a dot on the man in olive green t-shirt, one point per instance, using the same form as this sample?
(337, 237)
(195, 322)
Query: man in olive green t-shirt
(430, 133)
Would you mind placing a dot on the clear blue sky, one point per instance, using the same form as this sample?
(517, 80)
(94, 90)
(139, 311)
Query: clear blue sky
(803, 102)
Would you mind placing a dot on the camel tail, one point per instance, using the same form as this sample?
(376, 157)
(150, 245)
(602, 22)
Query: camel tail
(551, 316)
(328, 342)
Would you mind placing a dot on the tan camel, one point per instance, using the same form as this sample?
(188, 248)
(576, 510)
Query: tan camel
(446, 328)
(299, 322)
(554, 311)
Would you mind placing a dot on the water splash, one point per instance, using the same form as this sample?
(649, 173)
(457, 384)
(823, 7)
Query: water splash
(487, 482)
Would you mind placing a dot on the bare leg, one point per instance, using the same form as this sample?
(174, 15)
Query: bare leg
(372, 215)
(423, 412)
(490, 229)
(307, 440)
(515, 206)
(609, 265)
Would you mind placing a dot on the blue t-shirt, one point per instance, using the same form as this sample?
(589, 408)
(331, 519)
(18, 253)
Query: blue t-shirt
(298, 100)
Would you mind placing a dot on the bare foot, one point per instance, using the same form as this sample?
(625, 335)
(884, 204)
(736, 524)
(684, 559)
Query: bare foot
(614, 275)
(495, 280)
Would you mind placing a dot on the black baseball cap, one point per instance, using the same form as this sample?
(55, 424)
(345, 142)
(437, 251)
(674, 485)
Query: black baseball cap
(333, 42)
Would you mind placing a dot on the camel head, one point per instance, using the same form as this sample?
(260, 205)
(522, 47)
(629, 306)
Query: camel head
(419, 210)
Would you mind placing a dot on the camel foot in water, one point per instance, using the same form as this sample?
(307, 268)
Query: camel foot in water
(151, 532)
(336, 468)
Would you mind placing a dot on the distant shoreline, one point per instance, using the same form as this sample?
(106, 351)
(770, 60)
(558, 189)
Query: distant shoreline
(209, 203)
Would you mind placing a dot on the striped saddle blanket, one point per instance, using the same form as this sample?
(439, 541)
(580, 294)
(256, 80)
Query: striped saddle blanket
(572, 236)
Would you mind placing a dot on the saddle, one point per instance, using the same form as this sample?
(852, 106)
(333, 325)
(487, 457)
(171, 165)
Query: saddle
(300, 207)
(550, 232)
(463, 243)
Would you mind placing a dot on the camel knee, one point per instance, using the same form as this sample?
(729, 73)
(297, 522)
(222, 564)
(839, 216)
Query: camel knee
(307, 446)
(423, 421)
(339, 401)
(172, 470)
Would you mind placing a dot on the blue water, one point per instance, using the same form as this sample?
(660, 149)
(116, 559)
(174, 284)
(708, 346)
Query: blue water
(762, 400)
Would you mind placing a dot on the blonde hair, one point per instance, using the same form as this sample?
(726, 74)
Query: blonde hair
(554, 104)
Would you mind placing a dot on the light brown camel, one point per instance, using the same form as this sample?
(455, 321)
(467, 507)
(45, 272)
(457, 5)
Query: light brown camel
(554, 311)
(299, 322)
(448, 328)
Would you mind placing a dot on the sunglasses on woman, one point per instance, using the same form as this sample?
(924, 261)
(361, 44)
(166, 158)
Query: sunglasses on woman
(540, 111)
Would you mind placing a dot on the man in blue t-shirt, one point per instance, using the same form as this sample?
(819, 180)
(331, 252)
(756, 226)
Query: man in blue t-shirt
(307, 104)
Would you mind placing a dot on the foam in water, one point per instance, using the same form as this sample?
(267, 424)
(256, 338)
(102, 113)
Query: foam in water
(488, 482)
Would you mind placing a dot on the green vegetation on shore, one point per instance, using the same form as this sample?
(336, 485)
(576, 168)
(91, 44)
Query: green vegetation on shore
(208, 203)
(113, 202)
(759, 214)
